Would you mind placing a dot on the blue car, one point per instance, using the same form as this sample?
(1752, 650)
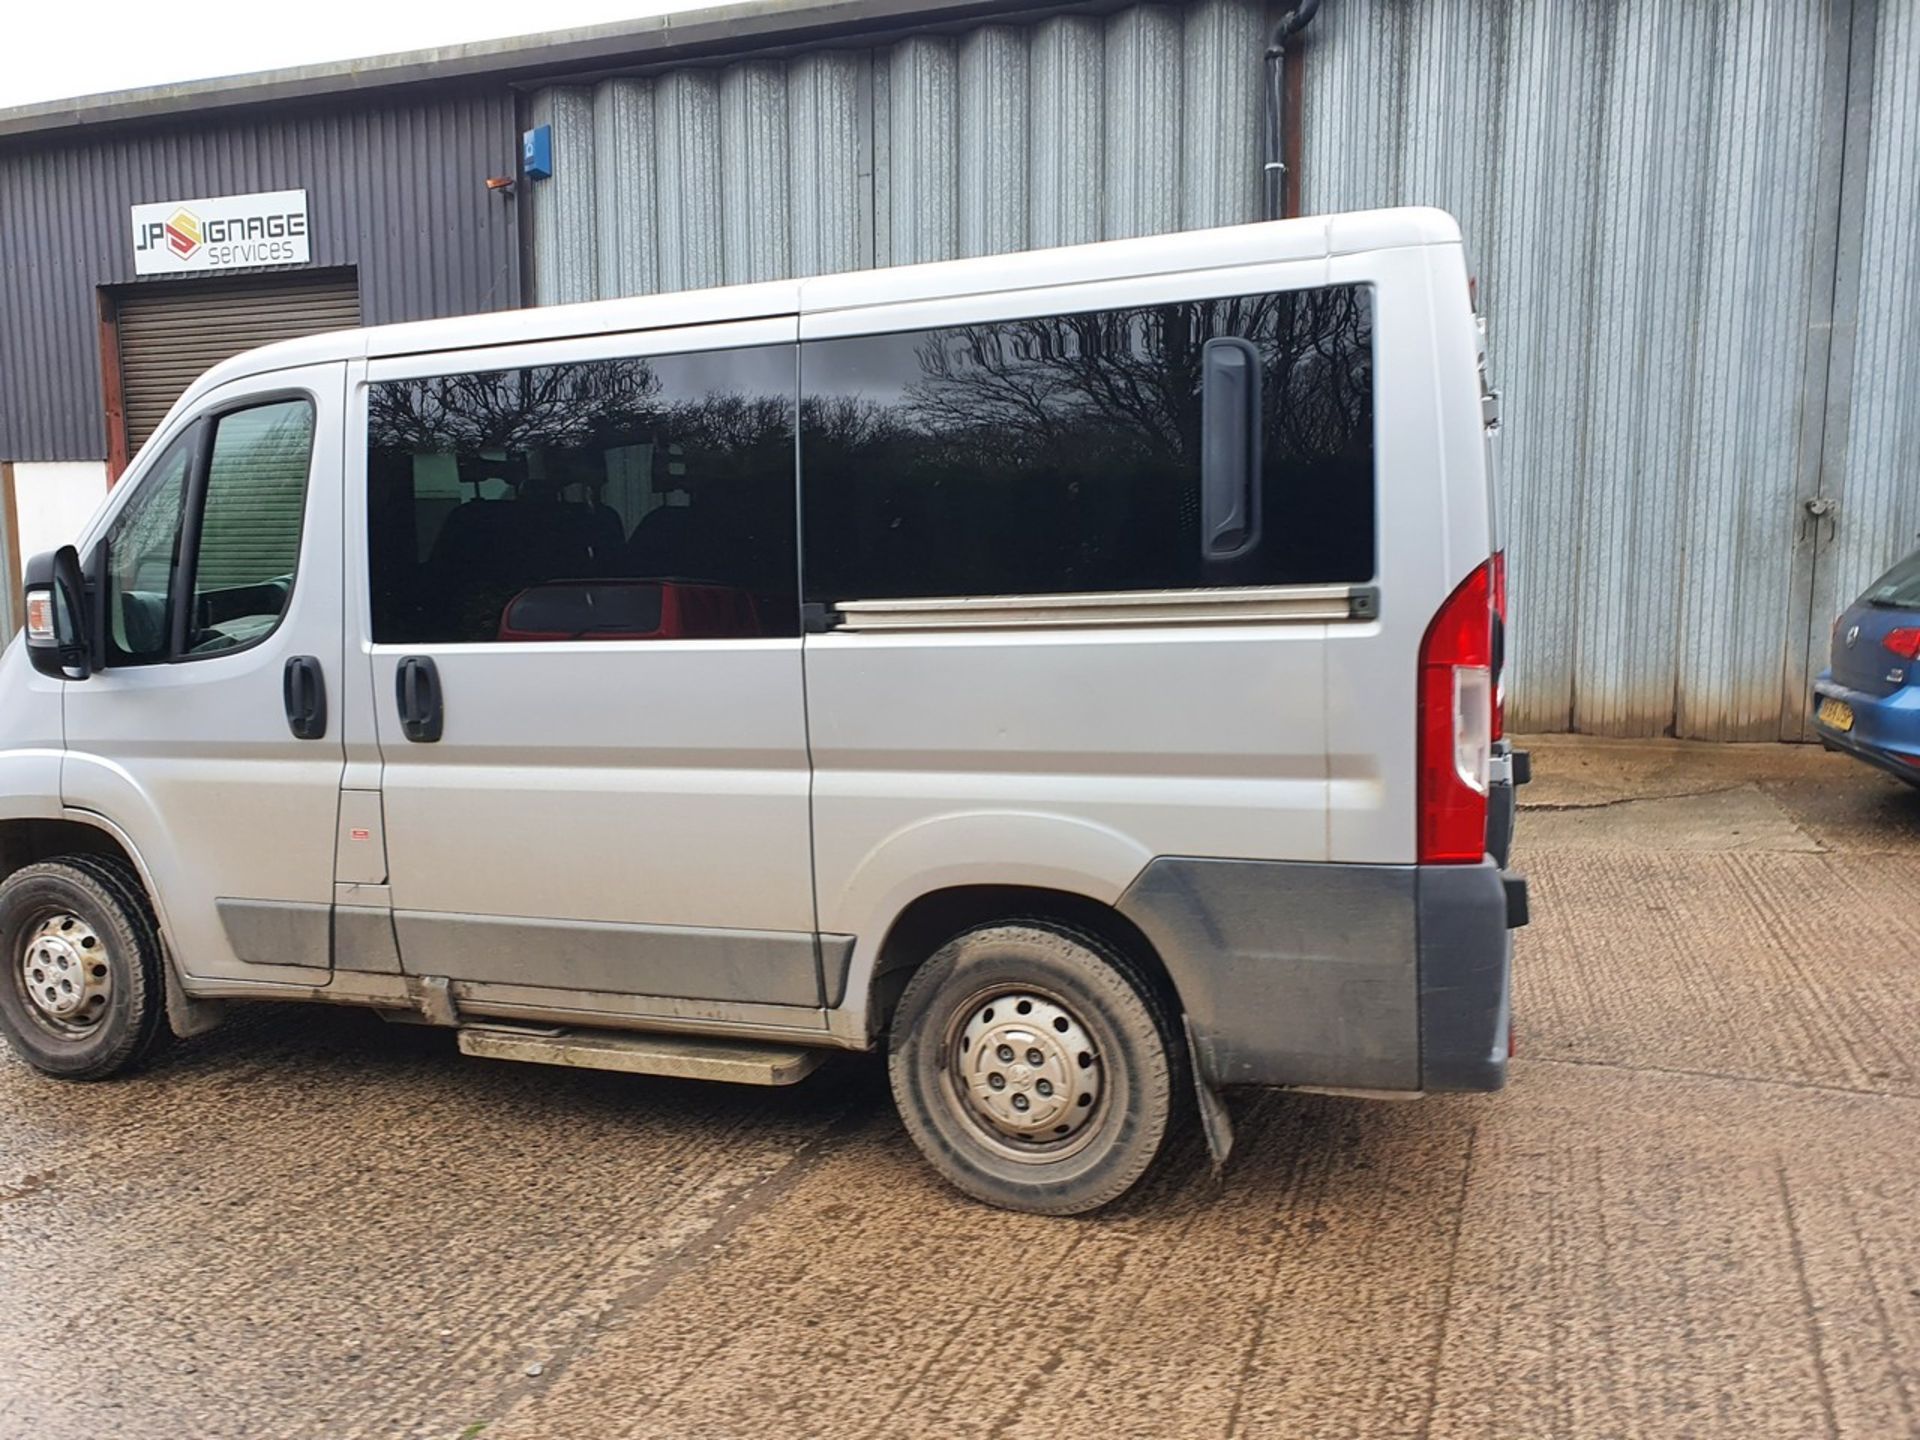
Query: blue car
(1867, 701)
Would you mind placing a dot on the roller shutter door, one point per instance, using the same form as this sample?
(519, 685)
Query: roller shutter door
(171, 333)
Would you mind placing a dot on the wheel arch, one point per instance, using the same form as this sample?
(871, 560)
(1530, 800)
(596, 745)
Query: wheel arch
(26, 840)
(934, 918)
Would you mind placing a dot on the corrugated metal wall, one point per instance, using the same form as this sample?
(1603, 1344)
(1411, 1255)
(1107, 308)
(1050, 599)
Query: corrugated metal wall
(1694, 225)
(1006, 137)
(1872, 450)
(1652, 194)
(396, 189)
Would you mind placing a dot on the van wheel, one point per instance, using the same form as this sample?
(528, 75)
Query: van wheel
(82, 996)
(1036, 1067)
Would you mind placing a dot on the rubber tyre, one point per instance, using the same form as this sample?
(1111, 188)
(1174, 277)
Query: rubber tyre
(1142, 1058)
(108, 896)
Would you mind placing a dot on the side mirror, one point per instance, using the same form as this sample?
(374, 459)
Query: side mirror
(57, 618)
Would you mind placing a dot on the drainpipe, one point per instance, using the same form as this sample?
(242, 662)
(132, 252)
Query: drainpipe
(1274, 172)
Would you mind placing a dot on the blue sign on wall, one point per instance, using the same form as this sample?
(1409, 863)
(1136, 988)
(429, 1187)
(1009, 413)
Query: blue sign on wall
(536, 152)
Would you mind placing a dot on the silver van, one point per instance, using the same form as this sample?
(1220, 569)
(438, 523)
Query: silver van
(1076, 672)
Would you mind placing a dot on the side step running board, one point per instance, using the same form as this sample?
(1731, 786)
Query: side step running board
(744, 1062)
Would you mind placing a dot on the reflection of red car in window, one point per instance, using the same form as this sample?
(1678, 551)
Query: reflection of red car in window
(630, 610)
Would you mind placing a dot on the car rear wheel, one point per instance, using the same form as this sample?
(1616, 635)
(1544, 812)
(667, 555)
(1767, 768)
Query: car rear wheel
(1036, 1067)
(82, 997)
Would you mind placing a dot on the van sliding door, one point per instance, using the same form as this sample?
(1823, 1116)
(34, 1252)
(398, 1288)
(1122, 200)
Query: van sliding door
(585, 651)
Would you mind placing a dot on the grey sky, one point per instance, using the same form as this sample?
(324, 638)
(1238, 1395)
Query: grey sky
(83, 47)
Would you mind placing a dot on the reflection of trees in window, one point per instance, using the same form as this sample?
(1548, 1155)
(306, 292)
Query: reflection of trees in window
(1062, 452)
(566, 473)
(734, 437)
(1133, 377)
(548, 407)
(587, 409)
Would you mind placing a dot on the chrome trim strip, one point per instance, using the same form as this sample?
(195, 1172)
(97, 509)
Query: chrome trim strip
(1262, 605)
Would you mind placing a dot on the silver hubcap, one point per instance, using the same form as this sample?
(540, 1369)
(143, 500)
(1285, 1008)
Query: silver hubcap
(1027, 1069)
(65, 974)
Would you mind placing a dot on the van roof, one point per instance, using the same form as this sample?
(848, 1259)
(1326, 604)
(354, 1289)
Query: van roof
(1307, 238)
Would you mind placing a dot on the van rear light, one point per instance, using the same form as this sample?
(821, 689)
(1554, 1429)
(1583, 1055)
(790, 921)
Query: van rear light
(1904, 642)
(1456, 710)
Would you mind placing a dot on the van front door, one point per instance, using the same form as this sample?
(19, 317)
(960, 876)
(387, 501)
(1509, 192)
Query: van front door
(583, 632)
(219, 587)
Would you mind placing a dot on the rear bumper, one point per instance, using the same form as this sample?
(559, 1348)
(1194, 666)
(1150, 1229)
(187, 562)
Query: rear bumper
(1364, 977)
(1886, 728)
(1467, 917)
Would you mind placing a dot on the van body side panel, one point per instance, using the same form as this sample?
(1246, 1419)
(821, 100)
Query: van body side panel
(1054, 752)
(1432, 492)
(30, 784)
(193, 759)
(1064, 760)
(1260, 778)
(357, 700)
(32, 742)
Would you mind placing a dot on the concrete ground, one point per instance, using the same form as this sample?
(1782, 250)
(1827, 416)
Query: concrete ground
(1695, 1210)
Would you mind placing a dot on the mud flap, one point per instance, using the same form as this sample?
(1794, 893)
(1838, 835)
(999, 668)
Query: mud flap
(186, 1016)
(1214, 1119)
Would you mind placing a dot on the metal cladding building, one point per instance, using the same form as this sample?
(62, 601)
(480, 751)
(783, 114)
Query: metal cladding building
(1696, 229)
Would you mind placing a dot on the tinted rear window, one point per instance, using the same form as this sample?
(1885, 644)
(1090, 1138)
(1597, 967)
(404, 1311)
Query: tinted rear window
(1061, 454)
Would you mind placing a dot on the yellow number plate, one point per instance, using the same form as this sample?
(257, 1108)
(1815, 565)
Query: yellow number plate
(1835, 714)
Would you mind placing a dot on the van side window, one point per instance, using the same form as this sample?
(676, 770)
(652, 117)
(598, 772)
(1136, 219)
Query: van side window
(250, 524)
(1063, 454)
(143, 546)
(250, 481)
(646, 498)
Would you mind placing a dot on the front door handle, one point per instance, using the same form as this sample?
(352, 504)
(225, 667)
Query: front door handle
(416, 685)
(303, 686)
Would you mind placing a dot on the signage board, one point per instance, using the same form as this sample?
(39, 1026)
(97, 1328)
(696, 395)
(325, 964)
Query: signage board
(226, 232)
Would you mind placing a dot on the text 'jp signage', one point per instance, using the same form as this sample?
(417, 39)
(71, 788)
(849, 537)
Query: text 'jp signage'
(227, 233)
